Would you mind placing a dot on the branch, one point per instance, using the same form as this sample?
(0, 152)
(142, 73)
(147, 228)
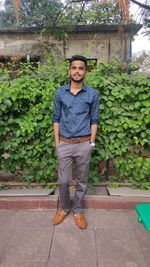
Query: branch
(140, 4)
(60, 14)
(78, 20)
(133, 1)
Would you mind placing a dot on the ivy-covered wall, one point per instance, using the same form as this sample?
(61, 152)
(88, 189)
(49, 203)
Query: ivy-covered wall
(124, 129)
(26, 129)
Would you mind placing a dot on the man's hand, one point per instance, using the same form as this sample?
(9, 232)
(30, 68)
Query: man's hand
(56, 133)
(57, 143)
(93, 132)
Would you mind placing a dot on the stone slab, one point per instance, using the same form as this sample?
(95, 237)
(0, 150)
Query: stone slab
(26, 192)
(128, 192)
(120, 263)
(71, 245)
(118, 244)
(97, 190)
(28, 244)
(108, 219)
(144, 240)
(114, 238)
(4, 263)
(33, 219)
(74, 263)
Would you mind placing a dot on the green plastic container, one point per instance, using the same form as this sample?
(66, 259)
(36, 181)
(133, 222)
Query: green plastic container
(143, 211)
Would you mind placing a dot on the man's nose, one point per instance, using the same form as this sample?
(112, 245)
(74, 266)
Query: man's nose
(77, 70)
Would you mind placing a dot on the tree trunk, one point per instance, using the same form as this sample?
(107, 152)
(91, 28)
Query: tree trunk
(16, 4)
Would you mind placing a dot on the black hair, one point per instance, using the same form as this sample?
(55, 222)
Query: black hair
(78, 57)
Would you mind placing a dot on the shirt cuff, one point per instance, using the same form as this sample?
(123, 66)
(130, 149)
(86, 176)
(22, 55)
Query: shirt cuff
(94, 122)
(56, 120)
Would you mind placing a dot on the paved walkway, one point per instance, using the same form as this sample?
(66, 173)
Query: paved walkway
(113, 238)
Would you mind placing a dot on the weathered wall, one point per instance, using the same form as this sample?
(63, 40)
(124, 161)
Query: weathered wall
(21, 45)
(95, 45)
(100, 46)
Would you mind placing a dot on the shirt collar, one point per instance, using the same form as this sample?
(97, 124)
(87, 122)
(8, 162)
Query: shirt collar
(67, 87)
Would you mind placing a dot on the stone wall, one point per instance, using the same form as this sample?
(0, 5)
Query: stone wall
(19, 45)
(100, 46)
(94, 44)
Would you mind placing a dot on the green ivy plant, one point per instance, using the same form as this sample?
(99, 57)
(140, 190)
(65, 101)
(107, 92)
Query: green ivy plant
(26, 128)
(124, 122)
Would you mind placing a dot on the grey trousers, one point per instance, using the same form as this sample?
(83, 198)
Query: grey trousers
(67, 154)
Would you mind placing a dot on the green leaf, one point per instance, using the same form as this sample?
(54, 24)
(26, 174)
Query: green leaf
(7, 102)
(109, 104)
(137, 104)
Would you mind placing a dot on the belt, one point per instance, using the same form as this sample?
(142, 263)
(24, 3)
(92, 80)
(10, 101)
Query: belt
(76, 140)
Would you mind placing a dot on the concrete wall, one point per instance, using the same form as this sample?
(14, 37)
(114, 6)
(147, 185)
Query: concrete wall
(33, 44)
(100, 46)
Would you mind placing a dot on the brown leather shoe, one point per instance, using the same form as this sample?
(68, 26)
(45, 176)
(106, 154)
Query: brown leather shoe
(80, 220)
(59, 216)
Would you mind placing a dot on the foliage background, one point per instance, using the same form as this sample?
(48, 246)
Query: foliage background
(57, 13)
(26, 130)
(124, 130)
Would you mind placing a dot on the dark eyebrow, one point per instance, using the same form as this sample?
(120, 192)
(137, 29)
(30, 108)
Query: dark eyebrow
(76, 67)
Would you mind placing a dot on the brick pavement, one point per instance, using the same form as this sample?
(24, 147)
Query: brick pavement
(114, 238)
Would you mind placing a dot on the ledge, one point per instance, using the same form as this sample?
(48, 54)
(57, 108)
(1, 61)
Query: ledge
(113, 202)
(51, 202)
(104, 28)
(24, 203)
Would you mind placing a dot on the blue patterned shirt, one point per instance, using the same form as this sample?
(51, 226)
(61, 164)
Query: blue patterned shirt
(76, 113)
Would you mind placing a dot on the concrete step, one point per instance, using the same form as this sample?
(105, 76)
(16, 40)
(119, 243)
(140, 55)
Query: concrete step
(52, 202)
(26, 192)
(128, 192)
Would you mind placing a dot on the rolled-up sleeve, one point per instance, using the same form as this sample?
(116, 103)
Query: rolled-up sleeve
(95, 110)
(57, 108)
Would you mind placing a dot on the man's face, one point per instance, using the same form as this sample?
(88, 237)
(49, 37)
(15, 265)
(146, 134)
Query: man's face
(77, 71)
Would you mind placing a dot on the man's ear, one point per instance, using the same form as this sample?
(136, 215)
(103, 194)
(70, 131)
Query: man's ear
(69, 71)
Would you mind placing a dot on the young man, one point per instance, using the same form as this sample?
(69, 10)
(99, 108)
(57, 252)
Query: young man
(75, 117)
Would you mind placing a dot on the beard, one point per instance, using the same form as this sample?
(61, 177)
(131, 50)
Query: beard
(77, 80)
